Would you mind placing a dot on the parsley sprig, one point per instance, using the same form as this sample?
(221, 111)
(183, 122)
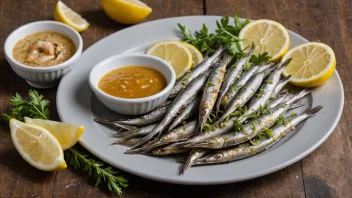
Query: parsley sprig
(38, 107)
(226, 34)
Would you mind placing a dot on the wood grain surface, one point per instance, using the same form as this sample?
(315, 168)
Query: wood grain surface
(327, 172)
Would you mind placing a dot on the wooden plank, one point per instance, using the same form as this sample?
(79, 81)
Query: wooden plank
(327, 171)
(18, 178)
(71, 183)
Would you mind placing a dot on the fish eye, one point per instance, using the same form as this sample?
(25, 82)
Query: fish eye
(211, 142)
(217, 156)
(162, 149)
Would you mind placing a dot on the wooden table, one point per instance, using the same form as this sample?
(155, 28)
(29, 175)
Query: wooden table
(327, 172)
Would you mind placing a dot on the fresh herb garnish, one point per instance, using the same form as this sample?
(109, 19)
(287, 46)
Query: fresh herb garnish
(237, 126)
(259, 95)
(256, 60)
(293, 114)
(35, 107)
(226, 34)
(280, 120)
(210, 84)
(97, 169)
(38, 107)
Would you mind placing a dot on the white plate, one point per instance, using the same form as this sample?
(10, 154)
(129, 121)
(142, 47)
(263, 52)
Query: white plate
(77, 104)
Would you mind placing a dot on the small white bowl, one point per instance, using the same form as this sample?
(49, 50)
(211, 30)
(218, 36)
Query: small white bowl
(135, 106)
(42, 77)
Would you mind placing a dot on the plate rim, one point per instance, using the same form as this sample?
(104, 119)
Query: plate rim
(212, 182)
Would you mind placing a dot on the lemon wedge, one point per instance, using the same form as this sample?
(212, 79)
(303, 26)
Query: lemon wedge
(267, 36)
(37, 146)
(312, 64)
(67, 134)
(197, 56)
(69, 17)
(175, 53)
(126, 11)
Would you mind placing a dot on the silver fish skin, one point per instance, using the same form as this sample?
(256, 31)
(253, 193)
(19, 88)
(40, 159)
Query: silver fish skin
(179, 134)
(214, 132)
(169, 150)
(211, 91)
(135, 133)
(144, 120)
(231, 75)
(244, 95)
(130, 142)
(279, 99)
(281, 85)
(195, 154)
(252, 128)
(236, 86)
(247, 150)
(115, 124)
(200, 68)
(191, 109)
(265, 92)
(181, 101)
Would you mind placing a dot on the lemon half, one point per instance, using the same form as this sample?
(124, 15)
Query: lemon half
(267, 36)
(126, 11)
(312, 64)
(37, 146)
(175, 53)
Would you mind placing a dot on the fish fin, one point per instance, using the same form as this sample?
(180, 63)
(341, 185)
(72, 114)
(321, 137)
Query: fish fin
(313, 111)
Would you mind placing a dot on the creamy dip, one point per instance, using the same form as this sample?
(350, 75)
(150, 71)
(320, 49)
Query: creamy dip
(43, 49)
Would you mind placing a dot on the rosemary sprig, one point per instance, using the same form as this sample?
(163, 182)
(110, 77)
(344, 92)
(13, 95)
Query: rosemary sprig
(97, 169)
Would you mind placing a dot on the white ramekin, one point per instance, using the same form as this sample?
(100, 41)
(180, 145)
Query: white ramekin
(136, 106)
(42, 77)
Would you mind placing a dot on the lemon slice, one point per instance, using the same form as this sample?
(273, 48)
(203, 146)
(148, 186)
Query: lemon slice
(37, 146)
(126, 11)
(69, 17)
(312, 64)
(267, 36)
(175, 53)
(197, 56)
(67, 134)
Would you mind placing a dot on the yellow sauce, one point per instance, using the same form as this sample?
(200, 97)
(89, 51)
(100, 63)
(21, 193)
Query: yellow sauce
(64, 49)
(132, 82)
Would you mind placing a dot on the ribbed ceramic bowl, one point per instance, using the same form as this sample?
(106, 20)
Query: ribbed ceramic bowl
(135, 106)
(42, 77)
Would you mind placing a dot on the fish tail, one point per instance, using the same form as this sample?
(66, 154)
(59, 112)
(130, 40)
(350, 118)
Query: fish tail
(122, 140)
(286, 79)
(313, 111)
(299, 95)
(269, 70)
(284, 64)
(187, 165)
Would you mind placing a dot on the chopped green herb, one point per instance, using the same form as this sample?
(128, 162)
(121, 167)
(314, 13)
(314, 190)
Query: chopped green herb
(253, 127)
(260, 94)
(210, 84)
(293, 114)
(269, 132)
(280, 120)
(269, 81)
(256, 60)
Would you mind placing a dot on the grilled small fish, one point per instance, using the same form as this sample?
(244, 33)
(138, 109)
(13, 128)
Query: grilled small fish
(195, 154)
(245, 93)
(134, 133)
(247, 150)
(253, 127)
(179, 134)
(180, 102)
(191, 109)
(236, 86)
(211, 91)
(231, 76)
(200, 68)
(144, 120)
(265, 91)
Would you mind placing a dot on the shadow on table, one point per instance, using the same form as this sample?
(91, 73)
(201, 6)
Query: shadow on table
(100, 19)
(10, 158)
